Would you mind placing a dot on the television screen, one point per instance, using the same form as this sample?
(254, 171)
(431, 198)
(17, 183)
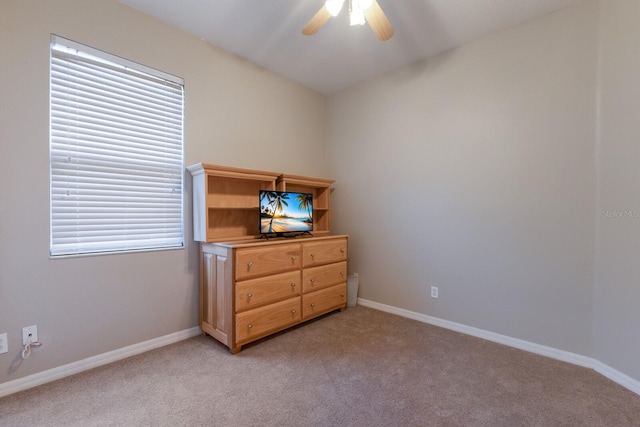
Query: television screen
(285, 212)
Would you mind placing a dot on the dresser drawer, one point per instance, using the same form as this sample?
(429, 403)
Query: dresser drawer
(325, 300)
(314, 278)
(261, 321)
(252, 262)
(253, 293)
(324, 252)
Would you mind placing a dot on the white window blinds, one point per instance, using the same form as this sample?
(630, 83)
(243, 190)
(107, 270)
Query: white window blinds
(116, 153)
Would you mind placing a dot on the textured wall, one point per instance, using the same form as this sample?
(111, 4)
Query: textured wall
(235, 114)
(474, 171)
(618, 283)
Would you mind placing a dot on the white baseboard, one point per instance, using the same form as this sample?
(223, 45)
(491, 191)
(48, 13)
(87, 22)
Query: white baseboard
(49, 375)
(554, 353)
(616, 376)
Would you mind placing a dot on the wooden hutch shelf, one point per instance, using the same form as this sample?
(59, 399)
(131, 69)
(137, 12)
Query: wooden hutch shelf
(226, 205)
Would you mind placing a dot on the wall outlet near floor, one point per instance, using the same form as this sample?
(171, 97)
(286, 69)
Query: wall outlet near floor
(4, 344)
(29, 334)
(434, 292)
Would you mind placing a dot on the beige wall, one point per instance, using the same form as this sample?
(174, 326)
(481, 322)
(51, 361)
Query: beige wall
(235, 114)
(617, 320)
(474, 171)
(505, 172)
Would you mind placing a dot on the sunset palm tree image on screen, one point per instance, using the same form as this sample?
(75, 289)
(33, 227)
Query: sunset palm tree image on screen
(285, 212)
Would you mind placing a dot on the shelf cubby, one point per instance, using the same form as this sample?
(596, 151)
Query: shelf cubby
(225, 201)
(320, 188)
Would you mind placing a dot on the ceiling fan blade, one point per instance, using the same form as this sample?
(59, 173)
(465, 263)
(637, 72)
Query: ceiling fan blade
(315, 23)
(378, 22)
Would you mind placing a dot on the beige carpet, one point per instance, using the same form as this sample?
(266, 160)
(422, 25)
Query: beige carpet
(361, 367)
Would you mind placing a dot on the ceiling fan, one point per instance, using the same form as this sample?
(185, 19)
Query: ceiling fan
(359, 11)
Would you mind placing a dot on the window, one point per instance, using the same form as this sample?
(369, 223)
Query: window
(116, 153)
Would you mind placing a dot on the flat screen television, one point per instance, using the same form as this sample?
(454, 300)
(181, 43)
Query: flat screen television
(285, 213)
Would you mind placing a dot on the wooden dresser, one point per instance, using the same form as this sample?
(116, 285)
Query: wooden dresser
(253, 289)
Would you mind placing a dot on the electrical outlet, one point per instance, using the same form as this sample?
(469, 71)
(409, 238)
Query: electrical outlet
(29, 334)
(4, 344)
(434, 292)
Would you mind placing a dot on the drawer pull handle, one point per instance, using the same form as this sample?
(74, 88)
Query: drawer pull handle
(293, 312)
(293, 258)
(293, 285)
(312, 280)
(313, 255)
(342, 250)
(342, 273)
(250, 265)
(313, 304)
(342, 295)
(249, 295)
(249, 326)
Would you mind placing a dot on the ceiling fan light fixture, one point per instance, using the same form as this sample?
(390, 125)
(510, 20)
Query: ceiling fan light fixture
(334, 6)
(356, 16)
(360, 12)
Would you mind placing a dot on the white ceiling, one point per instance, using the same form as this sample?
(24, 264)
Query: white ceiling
(268, 32)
